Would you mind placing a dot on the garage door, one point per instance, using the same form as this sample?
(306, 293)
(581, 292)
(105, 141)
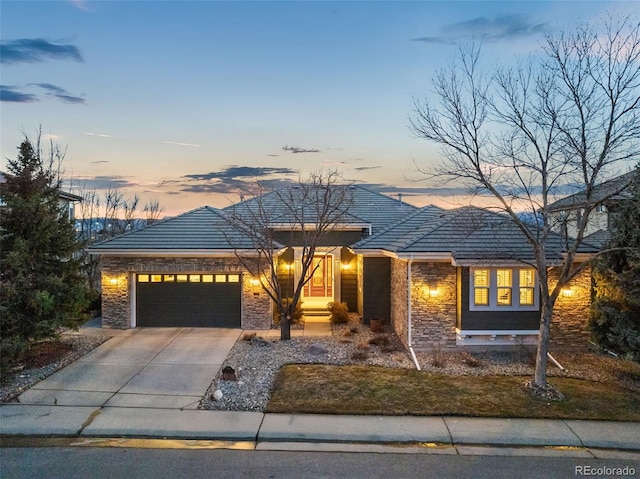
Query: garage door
(188, 300)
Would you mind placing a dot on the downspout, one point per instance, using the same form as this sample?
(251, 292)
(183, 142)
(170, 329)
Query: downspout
(413, 354)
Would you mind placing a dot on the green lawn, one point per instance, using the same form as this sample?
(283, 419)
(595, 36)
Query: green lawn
(324, 389)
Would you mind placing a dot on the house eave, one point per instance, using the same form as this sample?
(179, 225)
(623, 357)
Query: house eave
(375, 253)
(432, 257)
(194, 253)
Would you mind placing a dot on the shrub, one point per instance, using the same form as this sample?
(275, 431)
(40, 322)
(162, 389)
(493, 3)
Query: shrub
(339, 312)
(380, 340)
(362, 346)
(248, 336)
(354, 329)
(470, 360)
(295, 317)
(11, 350)
(439, 359)
(359, 355)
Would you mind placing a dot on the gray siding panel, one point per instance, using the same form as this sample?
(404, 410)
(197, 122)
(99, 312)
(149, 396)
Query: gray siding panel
(492, 320)
(376, 289)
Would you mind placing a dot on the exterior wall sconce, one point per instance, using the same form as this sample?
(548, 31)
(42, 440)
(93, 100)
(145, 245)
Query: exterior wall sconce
(431, 291)
(288, 266)
(255, 282)
(113, 281)
(567, 292)
(345, 266)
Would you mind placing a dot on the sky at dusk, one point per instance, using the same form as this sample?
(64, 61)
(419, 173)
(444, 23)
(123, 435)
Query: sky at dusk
(187, 102)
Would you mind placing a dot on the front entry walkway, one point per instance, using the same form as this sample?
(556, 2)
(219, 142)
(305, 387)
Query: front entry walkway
(314, 326)
(143, 367)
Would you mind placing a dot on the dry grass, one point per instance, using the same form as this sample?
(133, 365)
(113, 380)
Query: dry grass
(324, 389)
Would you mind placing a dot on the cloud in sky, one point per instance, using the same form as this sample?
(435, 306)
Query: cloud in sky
(363, 168)
(233, 172)
(232, 179)
(11, 94)
(180, 143)
(297, 149)
(104, 182)
(506, 27)
(59, 93)
(37, 50)
(101, 135)
(19, 95)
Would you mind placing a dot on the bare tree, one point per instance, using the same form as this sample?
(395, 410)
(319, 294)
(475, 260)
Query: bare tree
(306, 212)
(570, 116)
(103, 216)
(152, 211)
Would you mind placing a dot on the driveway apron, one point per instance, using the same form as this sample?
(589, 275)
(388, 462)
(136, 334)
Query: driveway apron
(145, 367)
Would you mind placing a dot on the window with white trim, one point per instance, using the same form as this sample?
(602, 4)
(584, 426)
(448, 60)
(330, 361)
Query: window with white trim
(503, 289)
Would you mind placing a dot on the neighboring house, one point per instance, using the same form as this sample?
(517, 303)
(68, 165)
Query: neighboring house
(441, 278)
(66, 200)
(609, 196)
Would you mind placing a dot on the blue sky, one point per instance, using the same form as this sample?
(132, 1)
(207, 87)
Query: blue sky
(187, 102)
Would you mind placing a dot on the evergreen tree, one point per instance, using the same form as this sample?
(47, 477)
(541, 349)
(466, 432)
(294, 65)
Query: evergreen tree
(42, 287)
(615, 316)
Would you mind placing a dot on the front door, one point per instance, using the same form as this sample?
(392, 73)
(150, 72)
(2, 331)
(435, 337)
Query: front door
(318, 291)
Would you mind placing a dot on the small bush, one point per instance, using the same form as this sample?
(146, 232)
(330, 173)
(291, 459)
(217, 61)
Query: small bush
(347, 334)
(339, 312)
(248, 336)
(470, 360)
(362, 346)
(359, 355)
(11, 350)
(380, 340)
(354, 329)
(439, 359)
(295, 317)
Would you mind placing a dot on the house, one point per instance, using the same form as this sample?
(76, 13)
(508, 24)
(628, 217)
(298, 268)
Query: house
(609, 196)
(465, 278)
(440, 278)
(66, 200)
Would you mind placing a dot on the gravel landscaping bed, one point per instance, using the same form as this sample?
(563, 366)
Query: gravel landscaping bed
(80, 344)
(257, 361)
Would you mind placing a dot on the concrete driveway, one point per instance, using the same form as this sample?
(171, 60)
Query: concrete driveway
(146, 367)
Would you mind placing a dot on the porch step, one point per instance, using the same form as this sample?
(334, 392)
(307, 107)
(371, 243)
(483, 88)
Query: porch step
(315, 312)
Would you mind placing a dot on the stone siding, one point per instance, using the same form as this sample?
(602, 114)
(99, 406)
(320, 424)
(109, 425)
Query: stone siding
(118, 284)
(433, 306)
(399, 299)
(570, 322)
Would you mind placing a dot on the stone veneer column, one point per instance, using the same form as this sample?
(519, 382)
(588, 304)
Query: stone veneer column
(433, 317)
(399, 293)
(570, 322)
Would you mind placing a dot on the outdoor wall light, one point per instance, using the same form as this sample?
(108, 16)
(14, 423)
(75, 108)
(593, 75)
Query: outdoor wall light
(567, 292)
(288, 266)
(345, 266)
(113, 281)
(255, 282)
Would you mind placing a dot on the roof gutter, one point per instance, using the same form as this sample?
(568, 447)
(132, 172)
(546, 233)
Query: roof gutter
(409, 339)
(169, 252)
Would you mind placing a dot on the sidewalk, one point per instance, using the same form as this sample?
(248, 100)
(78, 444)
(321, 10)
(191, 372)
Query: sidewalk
(270, 430)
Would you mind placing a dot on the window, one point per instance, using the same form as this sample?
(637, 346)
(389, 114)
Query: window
(156, 278)
(527, 287)
(234, 278)
(143, 278)
(207, 278)
(194, 278)
(169, 278)
(221, 278)
(504, 282)
(499, 289)
(481, 287)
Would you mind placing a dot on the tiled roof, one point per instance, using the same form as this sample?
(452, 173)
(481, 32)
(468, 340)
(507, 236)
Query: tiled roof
(468, 234)
(365, 207)
(613, 190)
(204, 228)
